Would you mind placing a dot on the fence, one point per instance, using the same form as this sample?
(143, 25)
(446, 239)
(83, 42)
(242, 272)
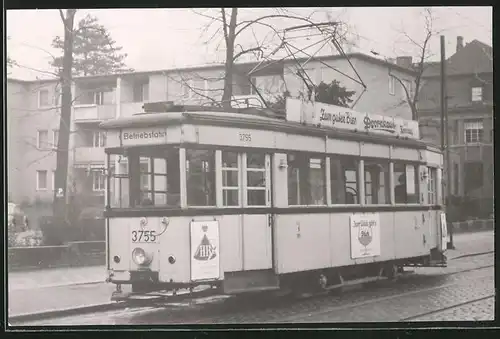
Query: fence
(73, 254)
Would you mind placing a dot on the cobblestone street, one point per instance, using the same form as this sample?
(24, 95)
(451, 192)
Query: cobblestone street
(418, 297)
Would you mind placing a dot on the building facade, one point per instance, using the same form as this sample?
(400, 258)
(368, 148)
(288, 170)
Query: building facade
(33, 114)
(470, 114)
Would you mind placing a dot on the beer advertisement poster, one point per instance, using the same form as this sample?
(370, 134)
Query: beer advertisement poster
(365, 235)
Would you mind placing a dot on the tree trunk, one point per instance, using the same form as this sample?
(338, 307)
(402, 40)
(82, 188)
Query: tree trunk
(61, 175)
(229, 66)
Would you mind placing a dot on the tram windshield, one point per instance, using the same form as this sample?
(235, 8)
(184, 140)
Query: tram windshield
(150, 177)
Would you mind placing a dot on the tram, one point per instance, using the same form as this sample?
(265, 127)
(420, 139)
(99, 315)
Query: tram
(246, 200)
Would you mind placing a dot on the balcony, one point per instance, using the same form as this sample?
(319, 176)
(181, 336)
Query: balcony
(243, 101)
(94, 113)
(89, 155)
(127, 109)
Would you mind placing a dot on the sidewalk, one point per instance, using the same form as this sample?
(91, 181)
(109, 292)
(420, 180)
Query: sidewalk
(469, 243)
(49, 290)
(54, 277)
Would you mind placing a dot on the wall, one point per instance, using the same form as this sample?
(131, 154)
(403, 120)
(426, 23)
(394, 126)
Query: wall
(16, 107)
(459, 89)
(376, 99)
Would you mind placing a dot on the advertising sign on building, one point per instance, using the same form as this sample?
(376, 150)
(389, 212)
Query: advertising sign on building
(143, 136)
(365, 235)
(205, 255)
(331, 116)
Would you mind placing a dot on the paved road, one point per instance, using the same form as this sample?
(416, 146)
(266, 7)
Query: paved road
(414, 297)
(25, 296)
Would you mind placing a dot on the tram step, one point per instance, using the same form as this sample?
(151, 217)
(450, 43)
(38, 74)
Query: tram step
(250, 281)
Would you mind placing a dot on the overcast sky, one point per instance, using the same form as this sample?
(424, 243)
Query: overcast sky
(167, 38)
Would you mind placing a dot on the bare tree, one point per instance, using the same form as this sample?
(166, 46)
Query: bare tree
(61, 175)
(412, 94)
(233, 31)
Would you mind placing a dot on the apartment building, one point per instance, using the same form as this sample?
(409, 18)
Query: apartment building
(33, 113)
(470, 111)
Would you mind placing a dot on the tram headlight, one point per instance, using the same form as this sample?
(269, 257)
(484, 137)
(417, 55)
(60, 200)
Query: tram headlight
(140, 257)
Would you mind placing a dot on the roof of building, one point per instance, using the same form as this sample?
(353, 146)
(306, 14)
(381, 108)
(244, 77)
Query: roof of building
(474, 57)
(272, 66)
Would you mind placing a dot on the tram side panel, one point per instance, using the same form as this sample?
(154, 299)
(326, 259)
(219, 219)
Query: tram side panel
(316, 241)
(412, 236)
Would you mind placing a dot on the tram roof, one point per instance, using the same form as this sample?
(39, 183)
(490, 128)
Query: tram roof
(252, 119)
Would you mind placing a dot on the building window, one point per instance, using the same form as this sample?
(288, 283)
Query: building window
(432, 186)
(55, 137)
(456, 179)
(253, 91)
(473, 176)
(41, 180)
(230, 179)
(473, 131)
(200, 177)
(376, 183)
(256, 180)
(187, 86)
(477, 94)
(43, 98)
(42, 139)
(406, 183)
(99, 98)
(344, 180)
(141, 92)
(98, 139)
(306, 180)
(53, 180)
(408, 86)
(97, 181)
(392, 85)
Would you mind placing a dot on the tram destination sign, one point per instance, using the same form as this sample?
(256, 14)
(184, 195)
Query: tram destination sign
(324, 115)
(143, 136)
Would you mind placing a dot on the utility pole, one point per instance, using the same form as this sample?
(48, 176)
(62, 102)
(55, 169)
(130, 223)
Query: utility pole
(445, 135)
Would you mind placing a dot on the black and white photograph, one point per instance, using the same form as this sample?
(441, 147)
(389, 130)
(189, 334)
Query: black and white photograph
(282, 167)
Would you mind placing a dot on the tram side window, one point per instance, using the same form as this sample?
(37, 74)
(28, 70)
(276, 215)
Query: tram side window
(377, 181)
(200, 177)
(406, 190)
(432, 186)
(230, 179)
(306, 180)
(344, 180)
(119, 192)
(256, 179)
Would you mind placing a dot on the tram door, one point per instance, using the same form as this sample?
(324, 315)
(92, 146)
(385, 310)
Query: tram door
(254, 179)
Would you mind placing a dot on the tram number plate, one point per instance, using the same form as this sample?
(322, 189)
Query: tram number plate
(143, 236)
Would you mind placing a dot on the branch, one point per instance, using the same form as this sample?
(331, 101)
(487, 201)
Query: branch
(254, 49)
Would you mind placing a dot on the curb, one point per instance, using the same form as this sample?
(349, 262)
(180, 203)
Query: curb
(466, 255)
(61, 285)
(110, 305)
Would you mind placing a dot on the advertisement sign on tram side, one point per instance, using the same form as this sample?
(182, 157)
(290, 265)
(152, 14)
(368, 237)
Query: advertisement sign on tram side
(325, 115)
(365, 235)
(205, 254)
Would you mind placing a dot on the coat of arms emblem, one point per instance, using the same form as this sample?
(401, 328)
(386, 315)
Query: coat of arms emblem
(205, 251)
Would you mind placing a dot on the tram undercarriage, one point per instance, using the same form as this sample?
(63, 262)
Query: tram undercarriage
(145, 283)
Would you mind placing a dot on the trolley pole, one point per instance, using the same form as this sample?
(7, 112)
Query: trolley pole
(445, 135)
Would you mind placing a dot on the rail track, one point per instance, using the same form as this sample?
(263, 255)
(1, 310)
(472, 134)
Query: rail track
(204, 302)
(447, 308)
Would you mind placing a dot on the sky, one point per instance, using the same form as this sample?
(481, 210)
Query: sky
(169, 38)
